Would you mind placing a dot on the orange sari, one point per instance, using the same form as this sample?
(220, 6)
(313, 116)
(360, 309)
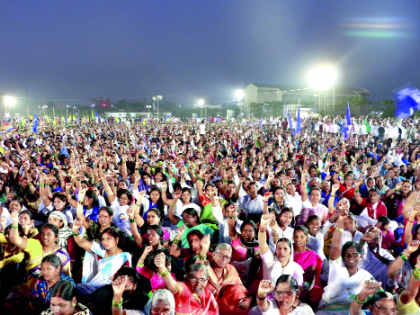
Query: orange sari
(228, 291)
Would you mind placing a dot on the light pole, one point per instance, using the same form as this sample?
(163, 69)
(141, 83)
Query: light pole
(322, 78)
(9, 101)
(201, 103)
(148, 107)
(44, 109)
(240, 95)
(179, 112)
(157, 98)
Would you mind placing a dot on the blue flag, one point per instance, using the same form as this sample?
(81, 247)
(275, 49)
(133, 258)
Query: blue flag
(35, 124)
(290, 121)
(96, 114)
(407, 101)
(196, 116)
(261, 123)
(298, 123)
(348, 122)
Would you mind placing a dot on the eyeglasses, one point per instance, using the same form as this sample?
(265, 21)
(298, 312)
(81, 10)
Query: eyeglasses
(386, 311)
(223, 256)
(286, 293)
(349, 255)
(202, 280)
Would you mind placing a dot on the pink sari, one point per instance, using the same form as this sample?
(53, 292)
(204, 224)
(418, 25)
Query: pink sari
(309, 260)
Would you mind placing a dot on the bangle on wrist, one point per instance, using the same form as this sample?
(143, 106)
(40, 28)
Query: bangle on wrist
(265, 201)
(356, 190)
(404, 257)
(76, 234)
(261, 298)
(164, 273)
(410, 221)
(117, 304)
(176, 241)
(132, 220)
(360, 302)
(332, 195)
(15, 227)
(201, 257)
(339, 229)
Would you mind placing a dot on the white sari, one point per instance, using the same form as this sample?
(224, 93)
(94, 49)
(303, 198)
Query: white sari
(97, 272)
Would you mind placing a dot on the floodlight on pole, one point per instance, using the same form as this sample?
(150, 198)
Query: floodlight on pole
(157, 98)
(240, 95)
(9, 101)
(322, 78)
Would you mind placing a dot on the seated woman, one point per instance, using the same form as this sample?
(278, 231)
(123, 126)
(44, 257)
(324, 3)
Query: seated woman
(64, 232)
(345, 276)
(284, 291)
(191, 296)
(311, 263)
(245, 254)
(51, 273)
(225, 283)
(191, 222)
(26, 221)
(153, 218)
(147, 268)
(281, 263)
(36, 249)
(107, 257)
(63, 301)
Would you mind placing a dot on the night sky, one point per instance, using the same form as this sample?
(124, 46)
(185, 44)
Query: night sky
(185, 50)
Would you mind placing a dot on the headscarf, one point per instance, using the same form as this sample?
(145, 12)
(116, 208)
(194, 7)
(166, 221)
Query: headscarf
(65, 232)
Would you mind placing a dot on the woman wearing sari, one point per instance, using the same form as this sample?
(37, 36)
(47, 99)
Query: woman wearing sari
(345, 277)
(311, 263)
(64, 232)
(37, 250)
(281, 263)
(245, 254)
(104, 261)
(191, 296)
(225, 283)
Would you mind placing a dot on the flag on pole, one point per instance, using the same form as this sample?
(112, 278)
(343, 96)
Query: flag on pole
(407, 101)
(96, 114)
(168, 118)
(35, 124)
(298, 122)
(261, 123)
(74, 118)
(23, 122)
(290, 121)
(65, 119)
(116, 119)
(93, 115)
(144, 121)
(348, 122)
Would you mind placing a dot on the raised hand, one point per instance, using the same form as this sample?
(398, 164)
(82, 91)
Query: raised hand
(265, 287)
(205, 243)
(77, 224)
(177, 194)
(358, 183)
(334, 188)
(181, 231)
(267, 196)
(370, 287)
(148, 249)
(412, 246)
(118, 285)
(14, 218)
(367, 237)
(266, 219)
(130, 212)
(160, 261)
(2, 223)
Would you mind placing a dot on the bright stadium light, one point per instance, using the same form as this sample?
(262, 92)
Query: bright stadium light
(9, 100)
(322, 78)
(201, 102)
(239, 94)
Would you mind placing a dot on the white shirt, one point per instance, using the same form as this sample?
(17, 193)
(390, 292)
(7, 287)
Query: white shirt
(202, 128)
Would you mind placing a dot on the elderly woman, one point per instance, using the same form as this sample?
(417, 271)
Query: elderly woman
(284, 291)
(225, 283)
(192, 297)
(63, 301)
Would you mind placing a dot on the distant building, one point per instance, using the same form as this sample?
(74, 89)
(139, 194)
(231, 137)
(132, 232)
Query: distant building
(323, 100)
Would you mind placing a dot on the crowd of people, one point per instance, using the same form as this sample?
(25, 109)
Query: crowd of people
(200, 217)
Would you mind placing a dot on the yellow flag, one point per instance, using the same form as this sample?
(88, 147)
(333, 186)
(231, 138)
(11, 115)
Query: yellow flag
(116, 119)
(144, 121)
(70, 118)
(74, 118)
